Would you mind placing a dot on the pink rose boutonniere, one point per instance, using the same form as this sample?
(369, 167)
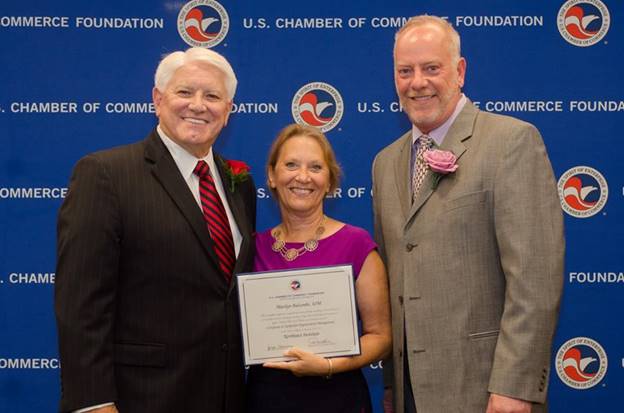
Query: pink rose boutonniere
(441, 163)
(238, 171)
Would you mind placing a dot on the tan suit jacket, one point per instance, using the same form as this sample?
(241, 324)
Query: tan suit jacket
(475, 265)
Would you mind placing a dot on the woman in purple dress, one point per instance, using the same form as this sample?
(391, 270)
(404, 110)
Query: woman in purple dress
(302, 170)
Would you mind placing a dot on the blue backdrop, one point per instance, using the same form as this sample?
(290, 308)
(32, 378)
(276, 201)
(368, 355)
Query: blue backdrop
(77, 77)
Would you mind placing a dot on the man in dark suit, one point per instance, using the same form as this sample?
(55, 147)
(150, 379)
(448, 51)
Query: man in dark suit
(472, 236)
(148, 242)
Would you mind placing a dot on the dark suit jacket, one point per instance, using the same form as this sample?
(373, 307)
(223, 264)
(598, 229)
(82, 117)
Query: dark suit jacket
(145, 318)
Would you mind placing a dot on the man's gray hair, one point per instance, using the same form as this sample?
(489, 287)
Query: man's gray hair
(424, 19)
(173, 61)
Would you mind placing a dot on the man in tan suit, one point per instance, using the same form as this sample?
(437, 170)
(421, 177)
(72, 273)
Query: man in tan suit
(472, 238)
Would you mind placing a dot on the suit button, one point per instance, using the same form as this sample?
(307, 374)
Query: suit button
(224, 347)
(410, 247)
(401, 299)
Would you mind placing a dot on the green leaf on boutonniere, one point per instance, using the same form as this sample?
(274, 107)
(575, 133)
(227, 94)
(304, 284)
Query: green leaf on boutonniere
(436, 180)
(237, 171)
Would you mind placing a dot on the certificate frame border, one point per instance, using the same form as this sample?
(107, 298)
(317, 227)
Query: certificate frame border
(242, 278)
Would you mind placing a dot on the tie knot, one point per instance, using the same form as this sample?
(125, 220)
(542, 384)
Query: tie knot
(201, 169)
(425, 142)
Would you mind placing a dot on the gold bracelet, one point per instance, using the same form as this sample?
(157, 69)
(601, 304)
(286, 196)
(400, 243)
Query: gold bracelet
(330, 369)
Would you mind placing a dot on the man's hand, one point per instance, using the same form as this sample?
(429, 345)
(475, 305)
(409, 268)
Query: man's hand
(503, 404)
(388, 398)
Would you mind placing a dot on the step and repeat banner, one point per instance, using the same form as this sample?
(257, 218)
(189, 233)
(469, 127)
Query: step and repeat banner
(77, 77)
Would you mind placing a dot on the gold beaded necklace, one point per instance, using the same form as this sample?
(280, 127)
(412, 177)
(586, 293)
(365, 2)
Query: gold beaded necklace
(291, 254)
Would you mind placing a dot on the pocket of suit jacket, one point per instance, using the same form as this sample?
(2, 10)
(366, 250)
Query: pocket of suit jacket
(466, 200)
(140, 354)
(483, 334)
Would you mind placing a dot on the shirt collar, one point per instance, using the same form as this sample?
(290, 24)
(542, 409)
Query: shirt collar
(184, 160)
(439, 133)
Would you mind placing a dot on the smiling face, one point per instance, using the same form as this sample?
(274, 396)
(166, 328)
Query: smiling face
(427, 76)
(194, 107)
(300, 176)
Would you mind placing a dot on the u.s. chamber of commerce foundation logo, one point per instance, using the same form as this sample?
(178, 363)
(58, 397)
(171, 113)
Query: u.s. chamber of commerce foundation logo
(583, 191)
(319, 105)
(583, 22)
(581, 363)
(203, 23)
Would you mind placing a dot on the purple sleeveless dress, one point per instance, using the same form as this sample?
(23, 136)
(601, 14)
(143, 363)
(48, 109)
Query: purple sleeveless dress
(277, 391)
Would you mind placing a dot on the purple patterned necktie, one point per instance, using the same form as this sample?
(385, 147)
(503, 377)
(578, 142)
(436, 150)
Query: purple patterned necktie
(420, 165)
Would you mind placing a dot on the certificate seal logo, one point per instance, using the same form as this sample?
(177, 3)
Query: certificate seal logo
(581, 363)
(583, 23)
(295, 285)
(203, 23)
(583, 191)
(319, 105)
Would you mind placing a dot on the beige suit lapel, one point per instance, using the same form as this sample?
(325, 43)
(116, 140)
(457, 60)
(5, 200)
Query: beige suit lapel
(403, 174)
(460, 130)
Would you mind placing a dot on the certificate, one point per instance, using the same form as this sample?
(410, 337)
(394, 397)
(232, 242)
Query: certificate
(311, 308)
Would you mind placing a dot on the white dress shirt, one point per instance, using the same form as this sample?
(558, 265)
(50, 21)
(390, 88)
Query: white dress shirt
(186, 164)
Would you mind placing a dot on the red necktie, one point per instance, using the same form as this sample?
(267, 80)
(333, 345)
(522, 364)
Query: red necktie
(216, 219)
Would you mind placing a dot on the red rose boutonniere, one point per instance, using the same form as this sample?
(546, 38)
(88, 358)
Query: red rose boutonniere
(441, 163)
(238, 171)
